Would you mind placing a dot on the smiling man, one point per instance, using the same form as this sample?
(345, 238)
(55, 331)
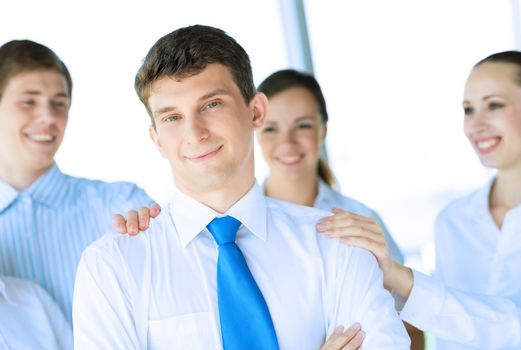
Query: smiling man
(47, 218)
(222, 266)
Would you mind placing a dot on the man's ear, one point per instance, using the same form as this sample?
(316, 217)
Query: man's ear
(155, 138)
(259, 106)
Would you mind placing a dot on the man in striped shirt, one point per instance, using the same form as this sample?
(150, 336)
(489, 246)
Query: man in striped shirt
(47, 218)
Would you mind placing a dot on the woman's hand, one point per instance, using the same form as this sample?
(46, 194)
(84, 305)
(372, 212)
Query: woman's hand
(359, 231)
(366, 233)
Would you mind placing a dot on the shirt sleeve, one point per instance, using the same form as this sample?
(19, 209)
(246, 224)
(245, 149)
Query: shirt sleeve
(473, 320)
(361, 298)
(59, 325)
(103, 315)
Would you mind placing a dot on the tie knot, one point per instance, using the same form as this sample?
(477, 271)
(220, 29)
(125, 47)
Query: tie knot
(224, 229)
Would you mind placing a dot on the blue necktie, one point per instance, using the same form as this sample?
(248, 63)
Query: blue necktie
(245, 319)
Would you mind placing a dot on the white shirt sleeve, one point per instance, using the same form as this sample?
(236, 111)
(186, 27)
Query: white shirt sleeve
(58, 323)
(103, 302)
(30, 319)
(361, 296)
(481, 321)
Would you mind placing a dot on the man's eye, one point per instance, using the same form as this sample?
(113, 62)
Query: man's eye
(171, 118)
(212, 104)
(28, 103)
(60, 105)
(468, 110)
(304, 126)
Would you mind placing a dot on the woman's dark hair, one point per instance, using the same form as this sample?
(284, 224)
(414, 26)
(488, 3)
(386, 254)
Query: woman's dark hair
(512, 57)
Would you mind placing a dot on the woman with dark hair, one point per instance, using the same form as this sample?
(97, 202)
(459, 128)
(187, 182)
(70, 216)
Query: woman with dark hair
(291, 139)
(474, 300)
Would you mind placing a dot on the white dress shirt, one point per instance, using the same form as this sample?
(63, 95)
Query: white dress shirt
(29, 318)
(158, 290)
(328, 199)
(475, 301)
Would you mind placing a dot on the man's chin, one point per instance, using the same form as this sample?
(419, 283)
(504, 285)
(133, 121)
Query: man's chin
(40, 165)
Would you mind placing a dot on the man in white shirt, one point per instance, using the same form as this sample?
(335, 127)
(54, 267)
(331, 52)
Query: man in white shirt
(197, 86)
(29, 318)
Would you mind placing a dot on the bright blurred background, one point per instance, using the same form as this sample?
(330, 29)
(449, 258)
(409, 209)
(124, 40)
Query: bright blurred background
(392, 73)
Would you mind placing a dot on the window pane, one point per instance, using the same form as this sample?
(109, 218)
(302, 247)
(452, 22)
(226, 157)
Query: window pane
(393, 75)
(103, 43)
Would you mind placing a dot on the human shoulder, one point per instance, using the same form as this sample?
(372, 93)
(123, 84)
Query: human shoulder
(102, 187)
(296, 211)
(13, 284)
(462, 207)
(329, 197)
(17, 289)
(114, 246)
(351, 204)
(117, 196)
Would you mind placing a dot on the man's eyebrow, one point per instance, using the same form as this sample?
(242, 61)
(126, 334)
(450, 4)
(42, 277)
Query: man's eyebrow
(213, 93)
(304, 117)
(36, 92)
(162, 110)
(218, 91)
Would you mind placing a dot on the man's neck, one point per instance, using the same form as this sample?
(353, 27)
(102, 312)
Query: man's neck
(222, 198)
(20, 178)
(299, 191)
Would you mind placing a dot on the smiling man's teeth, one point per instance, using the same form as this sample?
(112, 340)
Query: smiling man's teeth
(41, 137)
(487, 144)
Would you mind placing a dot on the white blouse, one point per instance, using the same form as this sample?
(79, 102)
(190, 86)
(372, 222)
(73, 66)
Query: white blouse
(475, 299)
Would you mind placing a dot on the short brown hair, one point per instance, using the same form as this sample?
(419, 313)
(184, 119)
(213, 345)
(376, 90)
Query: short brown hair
(186, 52)
(18, 56)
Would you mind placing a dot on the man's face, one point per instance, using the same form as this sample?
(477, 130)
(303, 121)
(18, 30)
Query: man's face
(205, 130)
(34, 110)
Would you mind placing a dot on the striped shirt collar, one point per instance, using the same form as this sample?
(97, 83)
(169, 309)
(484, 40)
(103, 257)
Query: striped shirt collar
(49, 189)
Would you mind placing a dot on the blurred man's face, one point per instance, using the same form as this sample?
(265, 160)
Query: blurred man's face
(34, 110)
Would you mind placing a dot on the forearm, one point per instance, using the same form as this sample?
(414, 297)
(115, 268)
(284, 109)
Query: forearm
(474, 320)
(399, 280)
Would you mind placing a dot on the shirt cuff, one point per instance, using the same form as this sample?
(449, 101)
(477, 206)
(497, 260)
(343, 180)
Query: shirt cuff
(425, 300)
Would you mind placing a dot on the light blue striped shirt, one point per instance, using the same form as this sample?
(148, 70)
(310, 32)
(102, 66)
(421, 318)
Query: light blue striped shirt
(45, 228)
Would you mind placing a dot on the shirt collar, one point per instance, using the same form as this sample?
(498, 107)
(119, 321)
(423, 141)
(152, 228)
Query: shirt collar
(324, 197)
(7, 195)
(4, 294)
(50, 188)
(191, 217)
(480, 203)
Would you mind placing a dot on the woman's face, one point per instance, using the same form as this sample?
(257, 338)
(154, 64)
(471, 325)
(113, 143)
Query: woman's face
(292, 134)
(492, 106)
